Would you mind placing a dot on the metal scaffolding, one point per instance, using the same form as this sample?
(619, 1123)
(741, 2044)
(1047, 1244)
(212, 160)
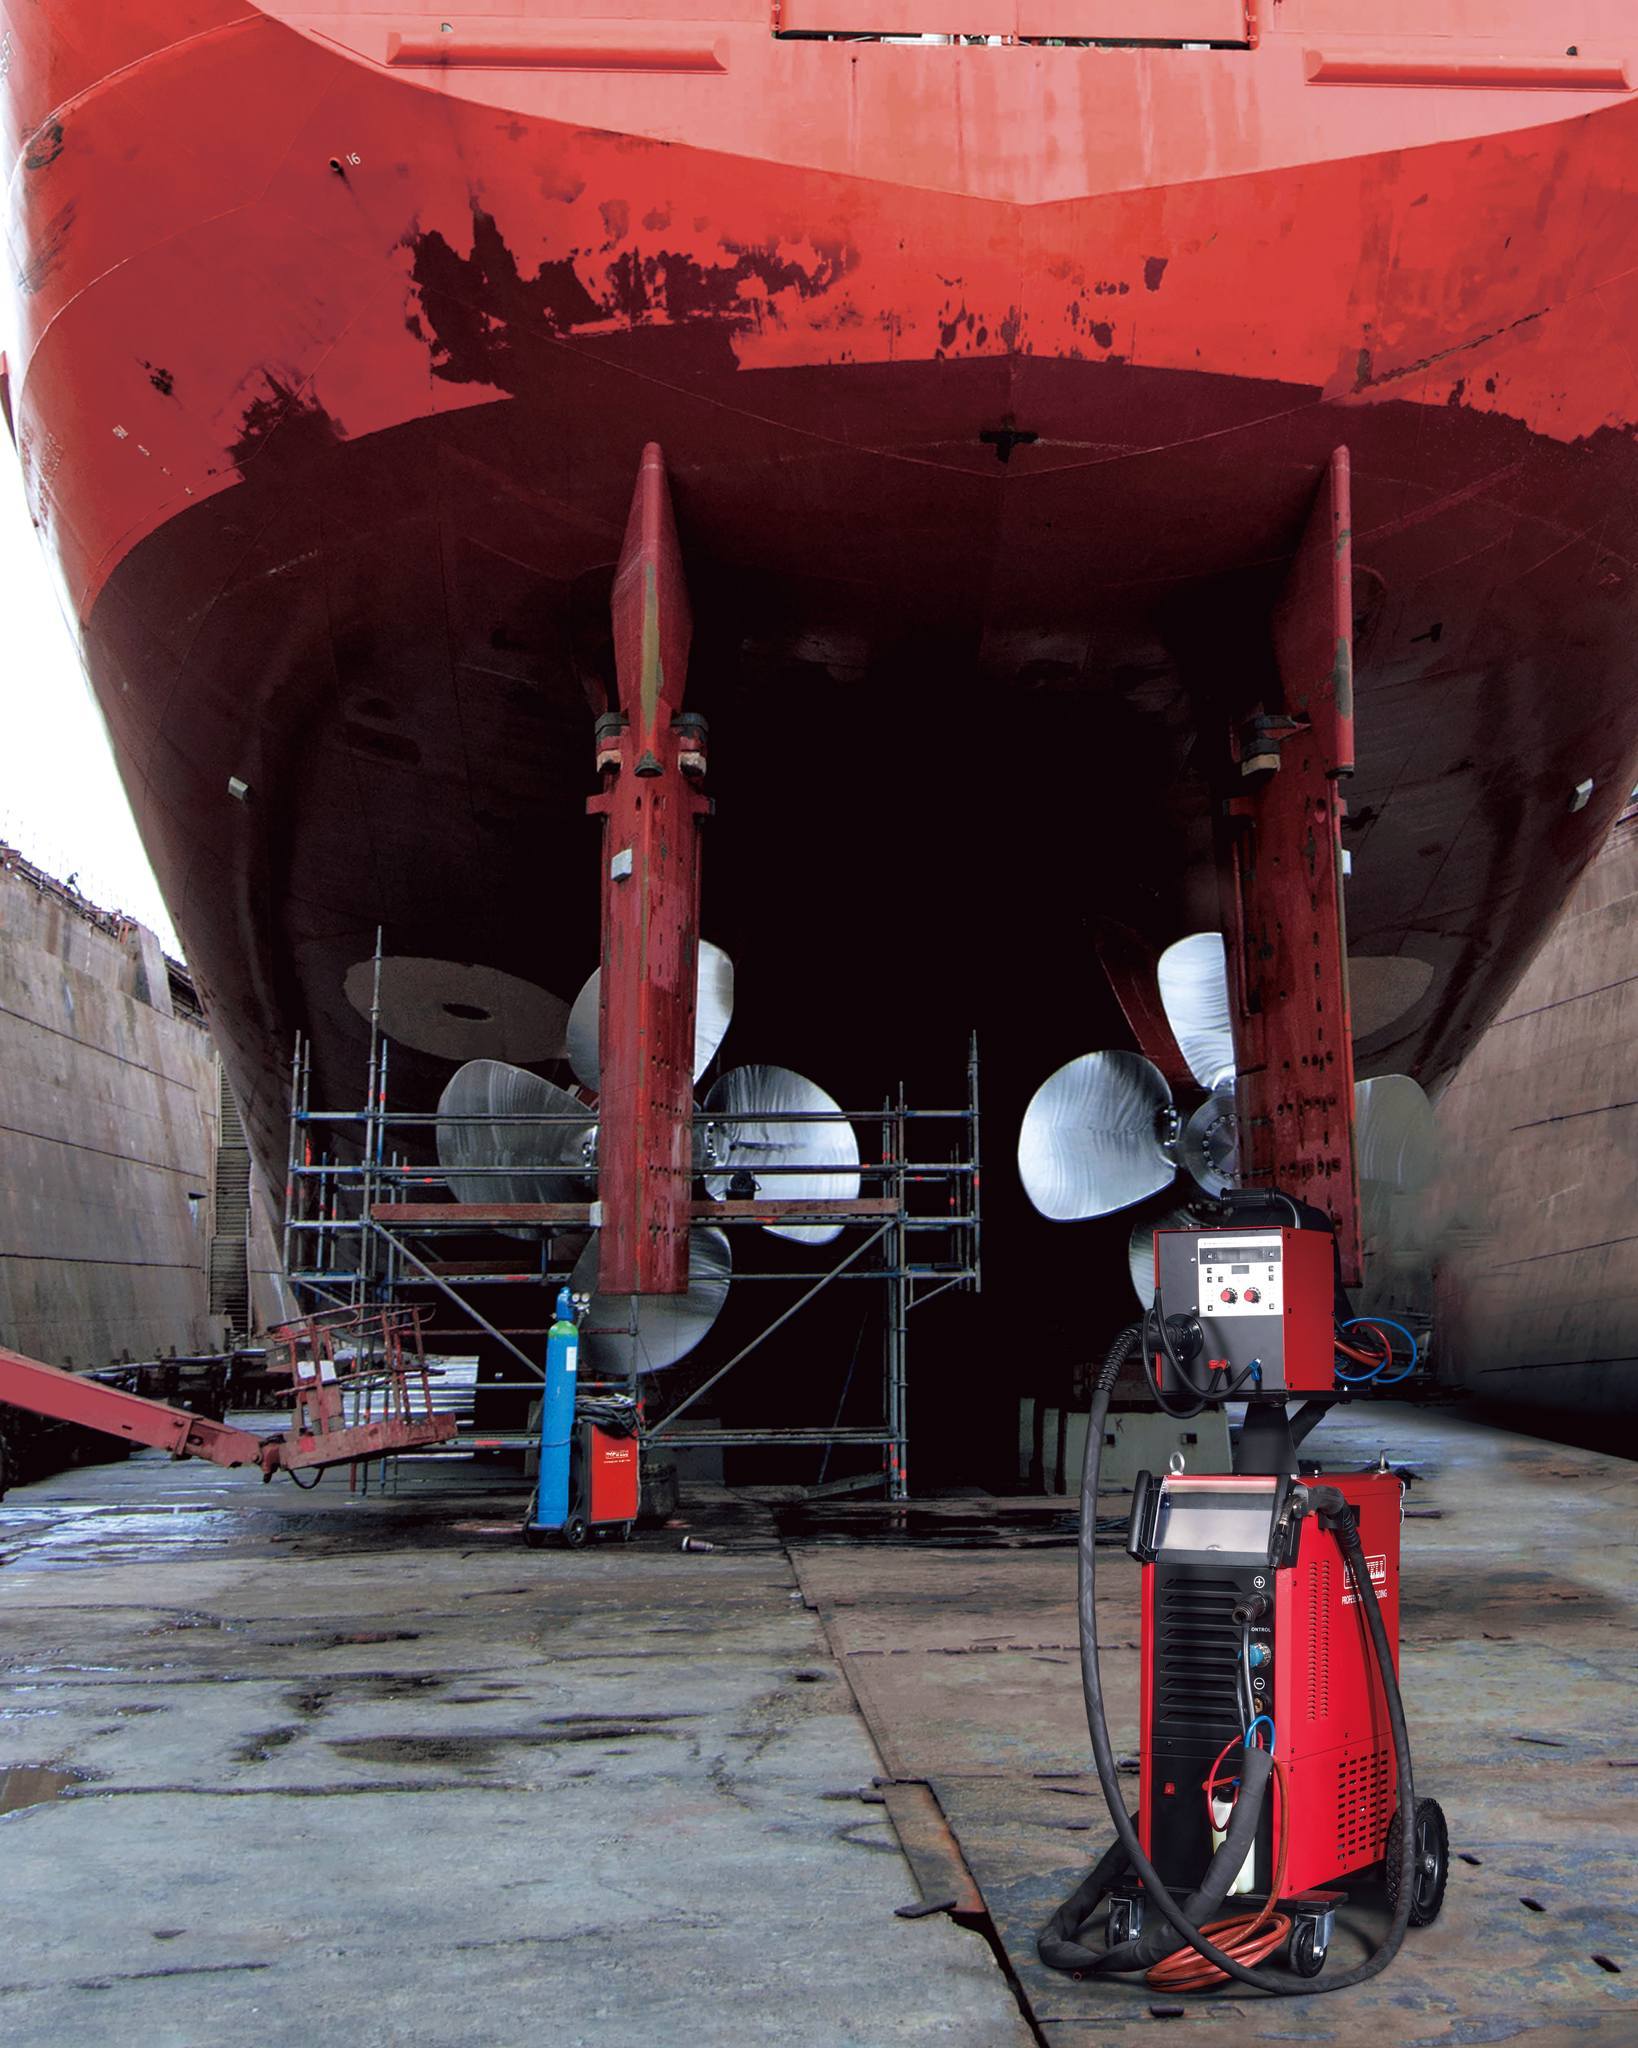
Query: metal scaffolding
(368, 1215)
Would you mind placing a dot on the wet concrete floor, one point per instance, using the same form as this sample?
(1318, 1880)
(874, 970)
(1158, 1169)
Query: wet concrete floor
(1519, 1653)
(275, 1766)
(271, 1762)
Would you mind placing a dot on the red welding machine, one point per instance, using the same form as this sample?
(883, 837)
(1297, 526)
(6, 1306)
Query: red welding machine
(603, 1473)
(1274, 1758)
(1248, 1614)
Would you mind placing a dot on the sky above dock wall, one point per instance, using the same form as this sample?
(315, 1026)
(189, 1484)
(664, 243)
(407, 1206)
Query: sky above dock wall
(61, 801)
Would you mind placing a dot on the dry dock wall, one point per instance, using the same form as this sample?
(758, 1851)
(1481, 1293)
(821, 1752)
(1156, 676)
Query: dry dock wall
(108, 1136)
(1537, 1283)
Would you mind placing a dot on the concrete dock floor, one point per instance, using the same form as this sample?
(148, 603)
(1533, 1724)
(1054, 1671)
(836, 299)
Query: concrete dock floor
(276, 1762)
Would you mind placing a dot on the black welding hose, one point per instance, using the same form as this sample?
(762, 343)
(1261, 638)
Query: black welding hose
(1155, 1319)
(1056, 1945)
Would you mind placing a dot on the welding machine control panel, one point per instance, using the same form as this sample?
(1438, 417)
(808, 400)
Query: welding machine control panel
(1264, 1298)
(1240, 1275)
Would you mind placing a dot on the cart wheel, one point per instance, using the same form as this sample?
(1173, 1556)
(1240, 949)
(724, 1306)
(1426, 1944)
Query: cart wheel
(1430, 1865)
(574, 1531)
(1124, 1922)
(1307, 1958)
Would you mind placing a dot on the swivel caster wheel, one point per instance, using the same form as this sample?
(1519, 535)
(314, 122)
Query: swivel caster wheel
(1430, 1863)
(574, 1531)
(1307, 1952)
(1124, 1923)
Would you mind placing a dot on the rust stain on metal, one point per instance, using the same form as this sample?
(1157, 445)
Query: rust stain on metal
(930, 1849)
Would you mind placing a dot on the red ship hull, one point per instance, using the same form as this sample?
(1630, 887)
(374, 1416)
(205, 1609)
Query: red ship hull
(994, 384)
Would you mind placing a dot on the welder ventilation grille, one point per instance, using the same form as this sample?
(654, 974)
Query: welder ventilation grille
(1318, 1596)
(1196, 1652)
(1363, 1784)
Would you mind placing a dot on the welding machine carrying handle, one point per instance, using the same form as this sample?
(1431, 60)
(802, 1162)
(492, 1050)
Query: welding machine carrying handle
(1288, 1501)
(1142, 1530)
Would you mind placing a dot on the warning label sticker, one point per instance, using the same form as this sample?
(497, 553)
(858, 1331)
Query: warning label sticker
(1378, 1569)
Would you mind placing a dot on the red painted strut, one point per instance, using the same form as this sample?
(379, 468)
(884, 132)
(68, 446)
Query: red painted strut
(651, 756)
(1284, 924)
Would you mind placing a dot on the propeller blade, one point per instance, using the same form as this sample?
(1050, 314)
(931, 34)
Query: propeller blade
(1209, 1149)
(1140, 1249)
(1394, 1134)
(1194, 993)
(1090, 1141)
(713, 1007)
(626, 1333)
(766, 1097)
(549, 1159)
(713, 1004)
(581, 1035)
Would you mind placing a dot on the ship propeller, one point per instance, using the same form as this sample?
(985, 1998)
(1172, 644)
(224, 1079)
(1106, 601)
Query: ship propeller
(1103, 1133)
(757, 1118)
(761, 1105)
(1194, 993)
(713, 1007)
(1098, 1136)
(621, 1334)
(527, 1161)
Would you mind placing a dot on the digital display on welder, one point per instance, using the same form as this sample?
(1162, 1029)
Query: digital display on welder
(1239, 1269)
(1202, 1521)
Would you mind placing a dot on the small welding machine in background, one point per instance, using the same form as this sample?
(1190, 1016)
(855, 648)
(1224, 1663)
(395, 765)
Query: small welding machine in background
(604, 1482)
(589, 1473)
(605, 1477)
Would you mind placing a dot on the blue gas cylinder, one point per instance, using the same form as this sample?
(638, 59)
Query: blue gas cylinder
(557, 1416)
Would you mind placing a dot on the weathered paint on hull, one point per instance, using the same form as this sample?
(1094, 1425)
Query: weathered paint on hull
(332, 380)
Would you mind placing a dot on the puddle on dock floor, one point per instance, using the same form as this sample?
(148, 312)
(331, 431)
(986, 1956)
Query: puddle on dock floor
(67, 1535)
(34, 1785)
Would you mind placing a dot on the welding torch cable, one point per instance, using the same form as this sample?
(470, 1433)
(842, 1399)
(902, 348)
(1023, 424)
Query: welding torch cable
(1155, 1317)
(1058, 1944)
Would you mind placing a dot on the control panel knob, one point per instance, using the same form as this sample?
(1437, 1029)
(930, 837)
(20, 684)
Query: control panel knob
(1229, 1294)
(1253, 1294)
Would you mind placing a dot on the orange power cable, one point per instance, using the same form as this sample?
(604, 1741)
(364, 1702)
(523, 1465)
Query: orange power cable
(1249, 1937)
